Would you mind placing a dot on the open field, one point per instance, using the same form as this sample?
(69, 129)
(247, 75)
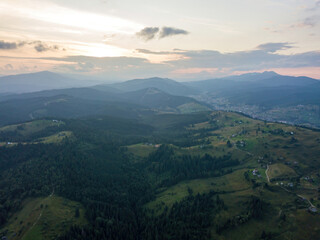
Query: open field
(28, 128)
(56, 138)
(44, 218)
(280, 170)
(228, 183)
(192, 107)
(52, 139)
(141, 150)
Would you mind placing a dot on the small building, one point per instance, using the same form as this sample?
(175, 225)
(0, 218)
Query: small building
(312, 209)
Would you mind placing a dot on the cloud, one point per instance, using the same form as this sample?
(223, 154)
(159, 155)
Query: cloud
(148, 33)
(310, 21)
(169, 31)
(307, 22)
(38, 46)
(246, 60)
(43, 47)
(273, 47)
(194, 63)
(10, 45)
(315, 7)
(104, 64)
(146, 51)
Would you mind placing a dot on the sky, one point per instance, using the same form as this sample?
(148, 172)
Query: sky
(182, 39)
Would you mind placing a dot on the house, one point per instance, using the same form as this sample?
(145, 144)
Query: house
(9, 143)
(255, 172)
(312, 209)
(290, 185)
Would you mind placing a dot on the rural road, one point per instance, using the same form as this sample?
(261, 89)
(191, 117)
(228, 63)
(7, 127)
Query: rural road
(267, 173)
(41, 212)
(311, 205)
(300, 196)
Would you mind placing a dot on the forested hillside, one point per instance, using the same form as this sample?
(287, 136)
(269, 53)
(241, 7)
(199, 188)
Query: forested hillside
(209, 175)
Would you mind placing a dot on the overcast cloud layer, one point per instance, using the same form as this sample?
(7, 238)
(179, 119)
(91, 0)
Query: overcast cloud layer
(204, 63)
(182, 39)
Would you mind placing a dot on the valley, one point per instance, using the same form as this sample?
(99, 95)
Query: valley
(157, 159)
(159, 120)
(228, 158)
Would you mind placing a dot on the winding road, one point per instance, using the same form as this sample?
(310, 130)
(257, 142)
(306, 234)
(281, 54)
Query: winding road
(267, 173)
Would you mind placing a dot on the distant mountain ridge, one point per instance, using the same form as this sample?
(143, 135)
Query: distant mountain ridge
(39, 81)
(155, 98)
(250, 81)
(163, 84)
(250, 93)
(85, 102)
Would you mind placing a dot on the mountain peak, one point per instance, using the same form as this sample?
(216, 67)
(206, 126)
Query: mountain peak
(163, 84)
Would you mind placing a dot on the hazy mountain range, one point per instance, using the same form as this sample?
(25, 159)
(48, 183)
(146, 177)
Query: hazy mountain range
(257, 94)
(39, 81)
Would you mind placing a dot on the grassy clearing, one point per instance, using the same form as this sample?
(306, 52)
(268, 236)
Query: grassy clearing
(56, 138)
(191, 108)
(34, 234)
(228, 183)
(280, 170)
(8, 144)
(53, 139)
(44, 218)
(141, 149)
(28, 128)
